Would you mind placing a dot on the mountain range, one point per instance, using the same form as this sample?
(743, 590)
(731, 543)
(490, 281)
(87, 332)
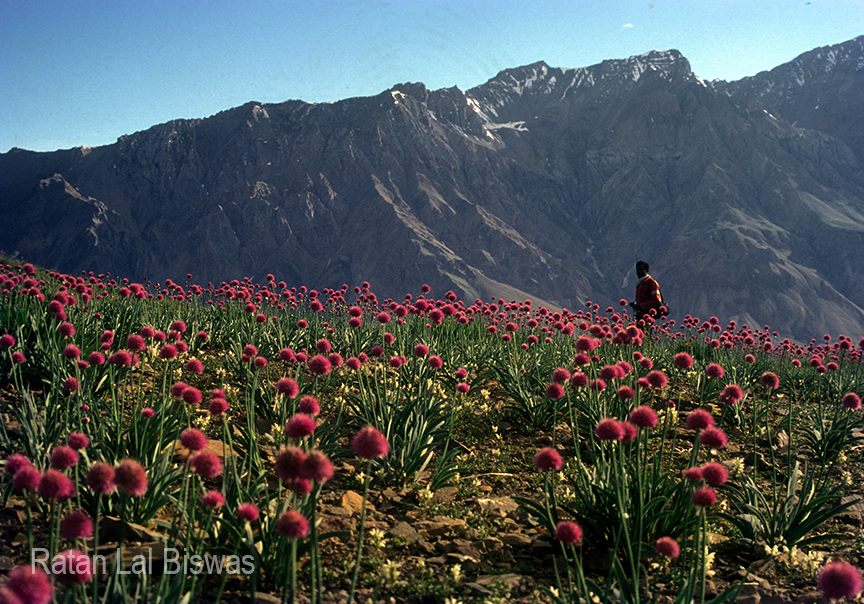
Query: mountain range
(746, 197)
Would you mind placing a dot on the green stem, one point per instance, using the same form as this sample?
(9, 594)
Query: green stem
(360, 532)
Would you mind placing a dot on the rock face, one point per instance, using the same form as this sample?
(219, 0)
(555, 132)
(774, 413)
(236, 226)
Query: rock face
(746, 197)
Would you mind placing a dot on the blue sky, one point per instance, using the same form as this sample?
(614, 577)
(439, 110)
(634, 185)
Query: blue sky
(83, 72)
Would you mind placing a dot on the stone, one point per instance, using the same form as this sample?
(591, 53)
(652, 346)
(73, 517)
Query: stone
(463, 547)
(467, 562)
(445, 494)
(492, 543)
(509, 580)
(516, 539)
(441, 525)
(748, 594)
(215, 446)
(391, 495)
(352, 502)
(405, 532)
(500, 506)
(111, 528)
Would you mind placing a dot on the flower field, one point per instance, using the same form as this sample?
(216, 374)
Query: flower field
(245, 441)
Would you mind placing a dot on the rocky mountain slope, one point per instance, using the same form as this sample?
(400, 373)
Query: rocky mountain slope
(747, 197)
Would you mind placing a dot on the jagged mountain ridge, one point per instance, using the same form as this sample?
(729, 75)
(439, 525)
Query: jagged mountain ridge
(542, 182)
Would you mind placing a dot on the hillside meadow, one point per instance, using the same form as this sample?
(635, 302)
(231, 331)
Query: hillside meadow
(255, 441)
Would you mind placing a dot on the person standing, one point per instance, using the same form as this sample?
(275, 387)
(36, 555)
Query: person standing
(648, 294)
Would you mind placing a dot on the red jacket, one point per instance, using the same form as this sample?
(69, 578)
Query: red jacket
(648, 293)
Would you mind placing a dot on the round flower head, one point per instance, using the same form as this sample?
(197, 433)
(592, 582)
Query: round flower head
(699, 419)
(213, 500)
(76, 525)
(369, 443)
(644, 417)
(289, 463)
(72, 566)
(300, 486)
(579, 379)
(667, 546)
(421, 350)
(317, 467)
(630, 432)
(131, 478)
(732, 394)
(15, 462)
(29, 584)
(693, 474)
(682, 360)
(715, 371)
(292, 524)
(136, 342)
(704, 497)
(26, 478)
(288, 387)
(852, 401)
(309, 405)
(435, 362)
(319, 365)
(100, 478)
(300, 425)
(657, 379)
(206, 464)
(560, 375)
(78, 441)
(192, 395)
(121, 358)
(555, 391)
(178, 388)
(70, 384)
(770, 380)
(597, 384)
(248, 512)
(609, 429)
(217, 406)
(168, 351)
(568, 531)
(609, 373)
(463, 387)
(715, 474)
(193, 439)
(581, 359)
(713, 437)
(53, 484)
(625, 393)
(548, 458)
(7, 341)
(195, 366)
(179, 325)
(840, 580)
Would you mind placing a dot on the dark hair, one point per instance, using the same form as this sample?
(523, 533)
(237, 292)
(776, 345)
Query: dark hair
(642, 265)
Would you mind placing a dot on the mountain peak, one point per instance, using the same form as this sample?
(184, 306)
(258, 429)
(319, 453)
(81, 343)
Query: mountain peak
(666, 63)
